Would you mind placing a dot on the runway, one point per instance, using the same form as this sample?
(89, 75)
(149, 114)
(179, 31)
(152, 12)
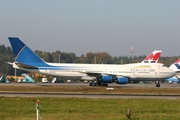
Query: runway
(72, 95)
(82, 95)
(163, 85)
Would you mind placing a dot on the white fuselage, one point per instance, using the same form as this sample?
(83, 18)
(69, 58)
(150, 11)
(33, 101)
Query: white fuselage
(141, 71)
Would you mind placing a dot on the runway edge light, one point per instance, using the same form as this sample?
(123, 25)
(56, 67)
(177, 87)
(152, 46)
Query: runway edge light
(38, 110)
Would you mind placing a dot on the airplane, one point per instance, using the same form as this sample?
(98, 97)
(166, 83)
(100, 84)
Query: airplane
(99, 74)
(175, 67)
(172, 80)
(153, 57)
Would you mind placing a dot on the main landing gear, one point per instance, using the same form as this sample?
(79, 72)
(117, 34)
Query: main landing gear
(158, 84)
(98, 83)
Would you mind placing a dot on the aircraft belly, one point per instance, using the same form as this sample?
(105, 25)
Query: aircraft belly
(66, 74)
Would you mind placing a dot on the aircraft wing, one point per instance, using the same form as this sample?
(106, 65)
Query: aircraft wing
(98, 74)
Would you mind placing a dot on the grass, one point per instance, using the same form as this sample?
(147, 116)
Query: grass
(23, 108)
(89, 109)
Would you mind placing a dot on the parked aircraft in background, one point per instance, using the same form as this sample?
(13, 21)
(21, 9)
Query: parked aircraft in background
(153, 57)
(172, 80)
(26, 59)
(175, 67)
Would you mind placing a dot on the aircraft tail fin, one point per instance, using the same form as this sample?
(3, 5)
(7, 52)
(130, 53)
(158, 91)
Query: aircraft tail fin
(24, 55)
(153, 57)
(175, 66)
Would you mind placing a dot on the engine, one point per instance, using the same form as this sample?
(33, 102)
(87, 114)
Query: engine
(122, 80)
(106, 79)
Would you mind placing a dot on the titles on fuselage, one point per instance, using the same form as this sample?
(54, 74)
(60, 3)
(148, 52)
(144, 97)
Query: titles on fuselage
(142, 70)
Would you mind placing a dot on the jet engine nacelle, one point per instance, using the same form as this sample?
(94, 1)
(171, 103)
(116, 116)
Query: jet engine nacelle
(122, 80)
(106, 79)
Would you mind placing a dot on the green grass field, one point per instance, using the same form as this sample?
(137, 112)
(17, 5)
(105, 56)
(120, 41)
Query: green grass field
(17, 108)
(24, 108)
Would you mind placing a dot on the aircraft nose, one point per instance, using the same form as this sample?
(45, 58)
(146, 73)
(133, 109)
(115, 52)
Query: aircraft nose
(172, 73)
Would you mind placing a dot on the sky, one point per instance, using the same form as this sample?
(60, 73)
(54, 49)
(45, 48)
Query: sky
(82, 26)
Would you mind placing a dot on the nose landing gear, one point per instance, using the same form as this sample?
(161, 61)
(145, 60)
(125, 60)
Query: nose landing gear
(158, 84)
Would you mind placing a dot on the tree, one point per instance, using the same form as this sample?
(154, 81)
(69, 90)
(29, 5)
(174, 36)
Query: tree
(103, 58)
(56, 56)
(89, 57)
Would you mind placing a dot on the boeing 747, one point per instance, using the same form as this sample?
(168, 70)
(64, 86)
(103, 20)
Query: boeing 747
(26, 59)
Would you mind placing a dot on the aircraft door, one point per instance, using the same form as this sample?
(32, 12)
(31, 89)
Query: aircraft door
(157, 70)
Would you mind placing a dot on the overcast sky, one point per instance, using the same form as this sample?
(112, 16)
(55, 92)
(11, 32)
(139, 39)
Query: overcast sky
(82, 26)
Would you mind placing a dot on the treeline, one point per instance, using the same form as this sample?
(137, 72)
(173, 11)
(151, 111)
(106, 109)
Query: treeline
(6, 55)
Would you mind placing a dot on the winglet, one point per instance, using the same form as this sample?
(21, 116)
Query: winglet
(153, 57)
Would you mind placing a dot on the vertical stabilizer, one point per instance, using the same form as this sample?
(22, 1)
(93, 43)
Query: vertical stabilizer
(153, 57)
(24, 55)
(175, 66)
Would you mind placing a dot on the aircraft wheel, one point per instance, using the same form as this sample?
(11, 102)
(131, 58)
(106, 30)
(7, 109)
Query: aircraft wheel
(99, 83)
(105, 84)
(158, 84)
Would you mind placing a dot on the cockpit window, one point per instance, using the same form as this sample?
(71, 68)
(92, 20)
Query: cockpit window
(163, 66)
